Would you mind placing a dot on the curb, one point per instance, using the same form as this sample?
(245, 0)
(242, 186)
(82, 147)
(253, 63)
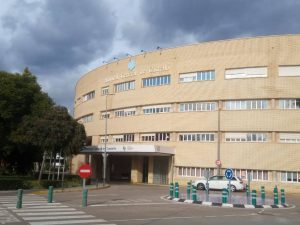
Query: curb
(226, 205)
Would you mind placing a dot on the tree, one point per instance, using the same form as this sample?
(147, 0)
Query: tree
(20, 96)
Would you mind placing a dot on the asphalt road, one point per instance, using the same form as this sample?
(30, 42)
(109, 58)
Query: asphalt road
(126, 204)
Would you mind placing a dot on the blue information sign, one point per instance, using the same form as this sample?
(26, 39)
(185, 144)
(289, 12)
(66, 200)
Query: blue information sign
(229, 174)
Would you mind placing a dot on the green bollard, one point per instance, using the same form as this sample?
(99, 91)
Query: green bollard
(263, 195)
(253, 194)
(248, 194)
(176, 190)
(19, 199)
(194, 193)
(188, 191)
(50, 194)
(224, 195)
(171, 190)
(282, 197)
(275, 195)
(84, 197)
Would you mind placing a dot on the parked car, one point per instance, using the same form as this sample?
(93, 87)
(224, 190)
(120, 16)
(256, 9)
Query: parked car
(220, 182)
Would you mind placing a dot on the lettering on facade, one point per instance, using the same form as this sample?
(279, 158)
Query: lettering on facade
(151, 70)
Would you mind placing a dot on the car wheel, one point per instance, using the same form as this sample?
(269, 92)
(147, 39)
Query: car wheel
(200, 186)
(232, 188)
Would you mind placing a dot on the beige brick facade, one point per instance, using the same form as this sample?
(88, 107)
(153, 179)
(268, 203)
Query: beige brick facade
(271, 156)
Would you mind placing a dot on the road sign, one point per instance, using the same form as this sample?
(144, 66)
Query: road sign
(85, 171)
(229, 174)
(218, 162)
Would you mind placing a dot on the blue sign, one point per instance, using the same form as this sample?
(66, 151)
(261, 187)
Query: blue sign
(131, 65)
(229, 174)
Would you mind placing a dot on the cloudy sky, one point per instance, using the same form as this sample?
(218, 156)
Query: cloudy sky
(60, 40)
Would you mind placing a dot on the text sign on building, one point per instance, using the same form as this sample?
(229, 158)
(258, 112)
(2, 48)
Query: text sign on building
(85, 171)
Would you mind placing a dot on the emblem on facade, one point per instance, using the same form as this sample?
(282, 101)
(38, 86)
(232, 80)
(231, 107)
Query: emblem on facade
(131, 65)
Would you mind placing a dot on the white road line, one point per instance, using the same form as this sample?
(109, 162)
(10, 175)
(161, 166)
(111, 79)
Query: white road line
(58, 217)
(129, 204)
(45, 203)
(41, 207)
(49, 213)
(43, 210)
(68, 222)
(11, 202)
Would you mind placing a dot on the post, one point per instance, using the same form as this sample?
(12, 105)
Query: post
(207, 191)
(263, 195)
(171, 190)
(83, 183)
(282, 197)
(229, 191)
(248, 193)
(176, 190)
(19, 199)
(224, 195)
(104, 155)
(194, 193)
(219, 139)
(253, 197)
(188, 191)
(50, 194)
(84, 197)
(275, 195)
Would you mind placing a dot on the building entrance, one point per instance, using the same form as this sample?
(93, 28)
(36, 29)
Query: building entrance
(119, 168)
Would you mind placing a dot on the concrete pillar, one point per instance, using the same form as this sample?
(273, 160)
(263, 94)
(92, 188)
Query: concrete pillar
(150, 170)
(137, 169)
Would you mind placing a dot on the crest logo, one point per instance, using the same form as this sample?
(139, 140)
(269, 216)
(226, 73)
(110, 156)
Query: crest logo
(131, 65)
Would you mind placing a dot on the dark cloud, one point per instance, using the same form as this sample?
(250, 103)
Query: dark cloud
(54, 36)
(170, 20)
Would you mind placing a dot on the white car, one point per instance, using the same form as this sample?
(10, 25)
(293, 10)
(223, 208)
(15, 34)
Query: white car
(220, 182)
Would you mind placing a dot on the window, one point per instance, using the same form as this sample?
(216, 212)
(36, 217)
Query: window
(289, 137)
(103, 139)
(289, 103)
(156, 81)
(88, 96)
(87, 118)
(105, 115)
(202, 137)
(123, 138)
(130, 85)
(246, 104)
(290, 176)
(197, 76)
(194, 171)
(289, 71)
(246, 137)
(157, 109)
(248, 72)
(105, 91)
(156, 137)
(125, 112)
(256, 175)
(197, 106)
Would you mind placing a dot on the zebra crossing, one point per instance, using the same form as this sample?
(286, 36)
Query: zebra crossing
(36, 211)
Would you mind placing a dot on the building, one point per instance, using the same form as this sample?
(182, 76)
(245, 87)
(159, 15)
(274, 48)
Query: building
(170, 114)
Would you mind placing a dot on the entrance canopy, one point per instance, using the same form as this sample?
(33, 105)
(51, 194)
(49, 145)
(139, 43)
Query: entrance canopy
(133, 149)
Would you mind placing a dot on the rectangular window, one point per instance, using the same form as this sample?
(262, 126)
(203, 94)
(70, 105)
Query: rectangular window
(156, 137)
(87, 118)
(130, 85)
(287, 176)
(197, 106)
(123, 138)
(88, 96)
(246, 137)
(156, 81)
(289, 103)
(125, 112)
(157, 109)
(105, 115)
(197, 76)
(289, 71)
(103, 139)
(289, 138)
(194, 171)
(246, 104)
(104, 91)
(201, 137)
(249, 72)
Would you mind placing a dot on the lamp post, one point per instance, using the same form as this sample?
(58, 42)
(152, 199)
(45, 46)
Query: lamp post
(104, 155)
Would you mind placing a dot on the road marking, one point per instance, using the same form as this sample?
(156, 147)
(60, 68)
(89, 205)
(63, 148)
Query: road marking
(57, 217)
(129, 204)
(43, 210)
(68, 222)
(32, 204)
(50, 213)
(42, 207)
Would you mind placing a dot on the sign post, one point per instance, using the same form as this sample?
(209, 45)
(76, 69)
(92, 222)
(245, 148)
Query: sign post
(229, 176)
(85, 171)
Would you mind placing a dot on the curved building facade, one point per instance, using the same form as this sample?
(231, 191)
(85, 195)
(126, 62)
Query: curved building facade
(173, 114)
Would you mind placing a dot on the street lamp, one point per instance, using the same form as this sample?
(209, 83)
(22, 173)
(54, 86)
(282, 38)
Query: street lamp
(104, 155)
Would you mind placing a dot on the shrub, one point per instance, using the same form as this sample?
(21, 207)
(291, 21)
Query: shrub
(14, 184)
